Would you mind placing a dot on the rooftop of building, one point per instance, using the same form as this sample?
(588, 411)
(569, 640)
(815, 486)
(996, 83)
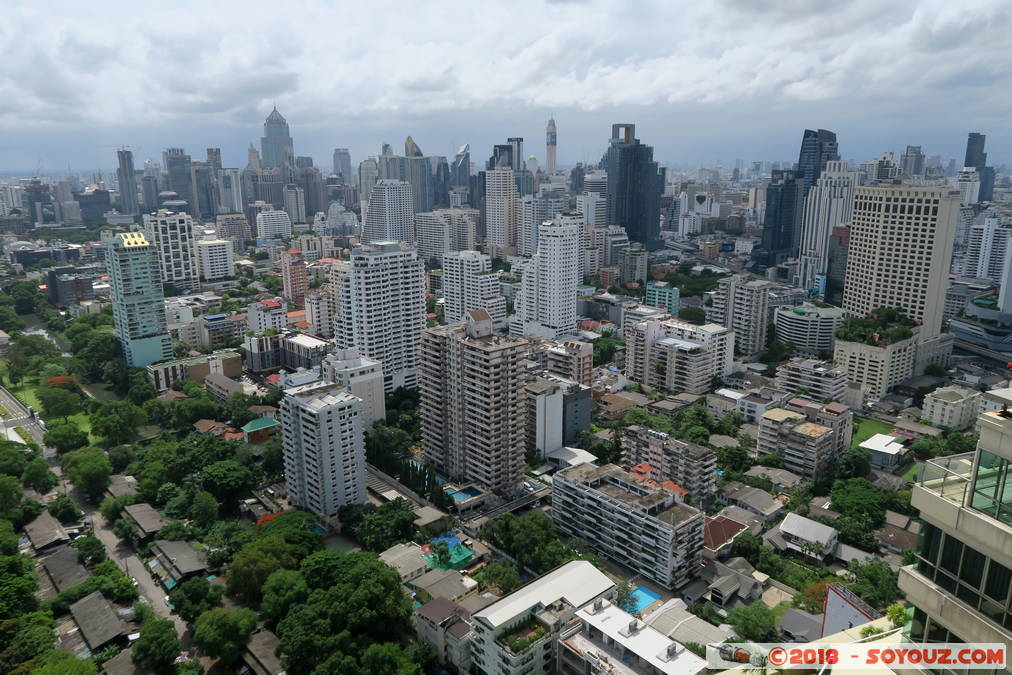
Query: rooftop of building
(632, 491)
(808, 309)
(782, 415)
(807, 529)
(198, 360)
(952, 394)
(577, 583)
(883, 443)
(812, 430)
(307, 341)
(881, 328)
(97, 620)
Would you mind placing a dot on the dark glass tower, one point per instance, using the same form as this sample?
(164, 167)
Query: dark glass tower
(127, 183)
(977, 158)
(460, 172)
(634, 187)
(178, 167)
(276, 146)
(781, 231)
(817, 148)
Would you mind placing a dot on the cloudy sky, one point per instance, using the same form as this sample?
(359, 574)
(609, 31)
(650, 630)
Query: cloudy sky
(705, 82)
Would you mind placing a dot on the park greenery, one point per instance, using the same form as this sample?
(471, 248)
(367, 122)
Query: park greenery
(884, 326)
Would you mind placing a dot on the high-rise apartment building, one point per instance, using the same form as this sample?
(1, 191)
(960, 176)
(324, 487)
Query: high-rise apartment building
(233, 226)
(415, 169)
(830, 204)
(546, 303)
(743, 305)
(550, 146)
(362, 377)
(380, 302)
(230, 197)
(812, 379)
(646, 528)
(390, 216)
(127, 183)
(173, 237)
(443, 231)
(634, 187)
(808, 327)
(501, 215)
(276, 146)
(295, 203)
(533, 210)
(989, 247)
(294, 277)
(265, 315)
(368, 174)
(273, 224)
(572, 360)
(677, 355)
(806, 448)
(690, 466)
(215, 260)
(472, 398)
(960, 584)
(342, 165)
(900, 250)
(138, 302)
(818, 147)
(469, 283)
(324, 450)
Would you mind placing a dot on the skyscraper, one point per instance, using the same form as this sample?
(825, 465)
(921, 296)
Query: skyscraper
(817, 148)
(634, 187)
(295, 203)
(990, 246)
(324, 451)
(444, 230)
(294, 277)
(460, 172)
(276, 147)
(533, 210)
(342, 165)
(500, 209)
(368, 173)
(550, 148)
(472, 400)
(959, 584)
(172, 236)
(546, 303)
(900, 249)
(180, 178)
(391, 215)
(912, 161)
(127, 183)
(138, 303)
(469, 283)
(830, 204)
(977, 158)
(380, 295)
(414, 168)
(780, 237)
(214, 158)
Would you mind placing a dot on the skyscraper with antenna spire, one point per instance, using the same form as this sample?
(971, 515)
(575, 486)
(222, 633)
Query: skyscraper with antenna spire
(550, 149)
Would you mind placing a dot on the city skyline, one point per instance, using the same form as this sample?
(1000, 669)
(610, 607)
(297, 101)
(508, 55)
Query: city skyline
(921, 76)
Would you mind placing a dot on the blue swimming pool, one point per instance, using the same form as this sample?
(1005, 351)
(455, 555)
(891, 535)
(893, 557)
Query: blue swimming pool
(462, 495)
(644, 597)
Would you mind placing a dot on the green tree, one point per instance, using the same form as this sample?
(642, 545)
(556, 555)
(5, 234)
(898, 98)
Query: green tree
(755, 622)
(38, 476)
(283, 590)
(859, 499)
(64, 509)
(117, 421)
(499, 575)
(10, 494)
(298, 529)
(222, 634)
(731, 458)
(855, 463)
(204, 509)
(68, 665)
(624, 597)
(66, 437)
(193, 597)
(88, 469)
(897, 615)
(90, 550)
(58, 402)
(254, 563)
(10, 321)
(227, 480)
(875, 582)
(692, 314)
(441, 552)
(390, 524)
(388, 657)
(157, 647)
(13, 458)
(8, 540)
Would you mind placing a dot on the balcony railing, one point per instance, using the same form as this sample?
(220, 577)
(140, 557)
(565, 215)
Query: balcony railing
(948, 477)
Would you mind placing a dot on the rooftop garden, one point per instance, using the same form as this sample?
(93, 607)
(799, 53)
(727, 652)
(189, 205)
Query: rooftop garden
(523, 636)
(882, 327)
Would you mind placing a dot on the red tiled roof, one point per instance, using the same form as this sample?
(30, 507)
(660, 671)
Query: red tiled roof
(270, 303)
(643, 467)
(673, 486)
(719, 530)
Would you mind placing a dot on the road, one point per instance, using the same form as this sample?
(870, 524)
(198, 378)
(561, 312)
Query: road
(21, 417)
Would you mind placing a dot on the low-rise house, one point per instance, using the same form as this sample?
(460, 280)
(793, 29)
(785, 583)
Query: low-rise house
(951, 407)
(821, 507)
(730, 584)
(782, 479)
(449, 584)
(800, 626)
(260, 655)
(121, 485)
(408, 559)
(260, 430)
(751, 499)
(899, 532)
(264, 411)
(145, 518)
(719, 533)
(752, 522)
(805, 536)
(885, 453)
(45, 532)
(674, 620)
(97, 620)
(446, 627)
(179, 559)
(64, 570)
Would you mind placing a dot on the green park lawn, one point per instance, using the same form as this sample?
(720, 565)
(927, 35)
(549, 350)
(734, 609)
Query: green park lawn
(25, 392)
(866, 428)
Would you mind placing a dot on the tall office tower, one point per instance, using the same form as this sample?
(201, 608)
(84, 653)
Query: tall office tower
(533, 210)
(295, 203)
(138, 303)
(830, 204)
(273, 224)
(900, 250)
(362, 377)
(968, 184)
(229, 189)
(180, 178)
(976, 158)
(381, 308)
(253, 159)
(172, 235)
(214, 259)
(550, 146)
(368, 174)
(342, 165)
(127, 183)
(990, 246)
(634, 187)
(276, 146)
(294, 277)
(233, 226)
(214, 158)
(912, 161)
(472, 398)
(310, 181)
(546, 302)
(469, 283)
(743, 305)
(149, 186)
(391, 214)
(414, 168)
(443, 231)
(959, 585)
(460, 172)
(324, 450)
(594, 208)
(817, 148)
(500, 209)
(780, 237)
(205, 204)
